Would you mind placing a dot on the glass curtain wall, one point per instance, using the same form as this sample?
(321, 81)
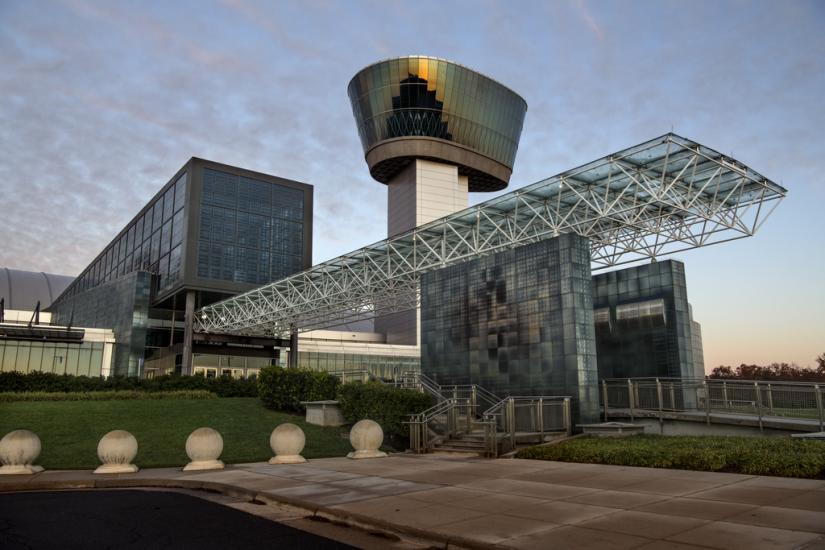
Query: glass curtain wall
(251, 231)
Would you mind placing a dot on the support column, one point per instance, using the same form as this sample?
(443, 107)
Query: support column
(188, 319)
(293, 348)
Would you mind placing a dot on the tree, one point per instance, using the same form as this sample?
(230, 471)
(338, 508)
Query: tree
(788, 372)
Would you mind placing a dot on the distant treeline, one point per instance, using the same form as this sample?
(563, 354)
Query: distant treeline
(775, 371)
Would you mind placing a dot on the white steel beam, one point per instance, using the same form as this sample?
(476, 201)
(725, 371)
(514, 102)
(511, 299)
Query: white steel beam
(663, 196)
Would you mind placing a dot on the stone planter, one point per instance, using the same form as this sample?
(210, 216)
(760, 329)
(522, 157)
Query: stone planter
(324, 413)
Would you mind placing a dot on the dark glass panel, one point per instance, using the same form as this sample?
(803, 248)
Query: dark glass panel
(177, 228)
(180, 191)
(168, 203)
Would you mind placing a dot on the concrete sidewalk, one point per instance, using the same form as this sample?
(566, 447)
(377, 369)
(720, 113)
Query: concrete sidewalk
(511, 503)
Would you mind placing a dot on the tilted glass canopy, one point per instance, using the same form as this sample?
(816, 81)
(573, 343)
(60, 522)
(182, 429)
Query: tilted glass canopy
(666, 195)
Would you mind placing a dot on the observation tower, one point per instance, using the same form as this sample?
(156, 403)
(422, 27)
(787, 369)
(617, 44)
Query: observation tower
(433, 131)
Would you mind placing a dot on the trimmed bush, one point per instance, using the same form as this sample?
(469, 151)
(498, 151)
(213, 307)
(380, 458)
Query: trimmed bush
(388, 406)
(222, 386)
(283, 389)
(774, 456)
(122, 395)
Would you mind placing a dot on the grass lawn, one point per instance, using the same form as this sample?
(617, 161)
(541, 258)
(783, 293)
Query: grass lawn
(70, 430)
(774, 456)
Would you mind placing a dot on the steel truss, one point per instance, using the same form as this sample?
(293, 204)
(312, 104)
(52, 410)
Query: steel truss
(660, 197)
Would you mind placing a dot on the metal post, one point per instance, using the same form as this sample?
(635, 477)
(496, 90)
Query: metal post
(293, 347)
(540, 419)
(630, 397)
(568, 424)
(725, 395)
(672, 397)
(659, 399)
(758, 403)
(770, 399)
(818, 394)
(474, 402)
(604, 398)
(707, 401)
(511, 413)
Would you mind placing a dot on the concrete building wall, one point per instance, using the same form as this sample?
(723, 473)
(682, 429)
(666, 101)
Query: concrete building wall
(519, 322)
(424, 191)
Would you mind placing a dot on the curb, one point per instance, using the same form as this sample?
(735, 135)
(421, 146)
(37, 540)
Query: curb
(350, 519)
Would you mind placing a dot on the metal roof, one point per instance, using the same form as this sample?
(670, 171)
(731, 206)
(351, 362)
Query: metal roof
(21, 290)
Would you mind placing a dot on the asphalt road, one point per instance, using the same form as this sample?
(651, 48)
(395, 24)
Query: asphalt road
(121, 519)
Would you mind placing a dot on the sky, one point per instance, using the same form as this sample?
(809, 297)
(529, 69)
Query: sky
(102, 102)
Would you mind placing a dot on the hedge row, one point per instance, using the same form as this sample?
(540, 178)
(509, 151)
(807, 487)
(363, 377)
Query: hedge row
(222, 386)
(775, 456)
(388, 406)
(106, 395)
(284, 389)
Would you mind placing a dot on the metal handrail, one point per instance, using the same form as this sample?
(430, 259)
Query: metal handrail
(758, 399)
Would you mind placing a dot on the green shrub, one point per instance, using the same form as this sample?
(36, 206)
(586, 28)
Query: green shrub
(223, 386)
(775, 456)
(388, 406)
(121, 395)
(283, 389)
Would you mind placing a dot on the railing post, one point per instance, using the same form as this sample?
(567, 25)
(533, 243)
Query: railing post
(467, 411)
(659, 399)
(672, 396)
(630, 397)
(818, 393)
(770, 399)
(511, 414)
(725, 395)
(604, 398)
(475, 401)
(455, 392)
(707, 401)
(758, 403)
(568, 425)
(540, 419)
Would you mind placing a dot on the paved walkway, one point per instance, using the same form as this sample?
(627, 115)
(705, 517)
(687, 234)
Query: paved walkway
(515, 503)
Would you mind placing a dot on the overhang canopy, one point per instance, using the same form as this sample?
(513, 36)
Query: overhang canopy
(663, 196)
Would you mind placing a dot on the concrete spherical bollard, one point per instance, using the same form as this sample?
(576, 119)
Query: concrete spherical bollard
(18, 449)
(287, 442)
(366, 438)
(204, 446)
(116, 450)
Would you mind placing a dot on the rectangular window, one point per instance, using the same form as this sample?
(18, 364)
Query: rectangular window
(180, 192)
(165, 238)
(168, 204)
(177, 228)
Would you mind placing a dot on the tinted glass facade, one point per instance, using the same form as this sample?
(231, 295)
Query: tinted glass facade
(428, 97)
(519, 322)
(152, 242)
(85, 359)
(121, 305)
(643, 324)
(251, 231)
(211, 232)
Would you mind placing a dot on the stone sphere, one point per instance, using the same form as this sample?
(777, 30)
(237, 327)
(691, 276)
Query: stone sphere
(18, 450)
(366, 437)
(204, 446)
(116, 450)
(287, 442)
